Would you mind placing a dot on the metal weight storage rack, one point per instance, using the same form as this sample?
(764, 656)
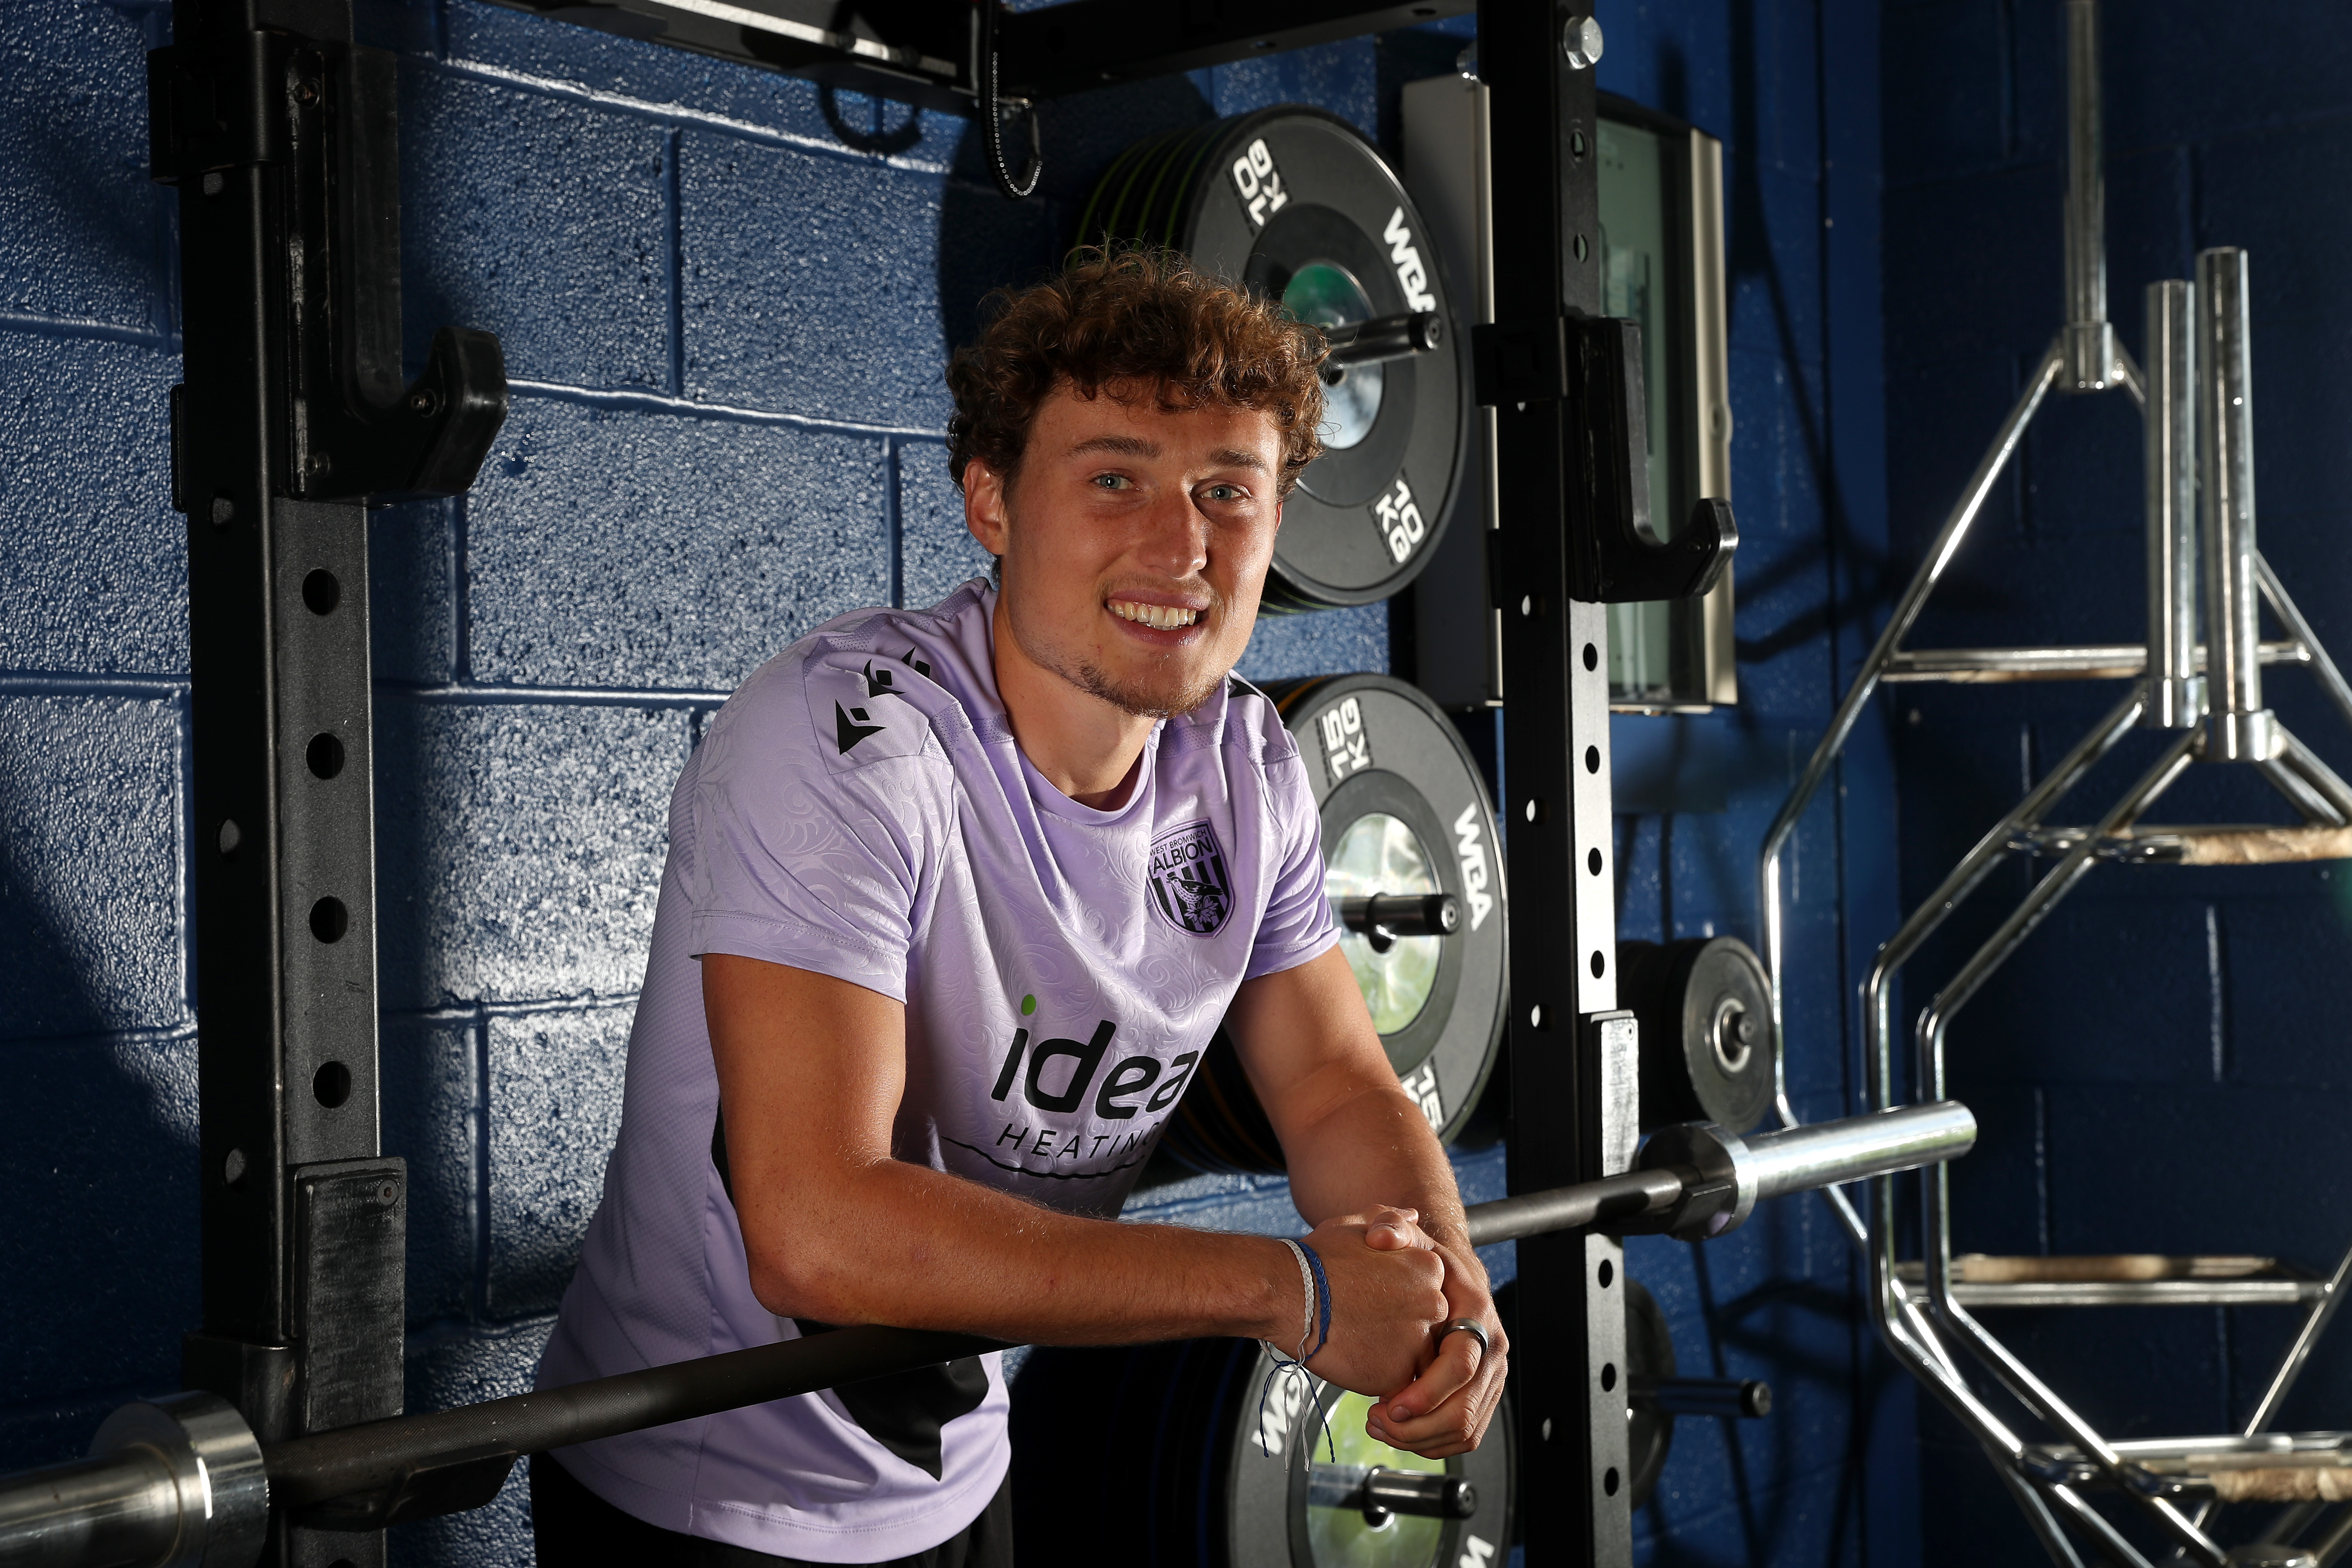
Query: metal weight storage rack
(2204, 702)
(281, 134)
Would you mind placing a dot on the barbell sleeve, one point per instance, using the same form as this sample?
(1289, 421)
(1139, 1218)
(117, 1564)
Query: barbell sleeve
(1377, 1490)
(1382, 337)
(1853, 1148)
(1383, 918)
(177, 1480)
(117, 1508)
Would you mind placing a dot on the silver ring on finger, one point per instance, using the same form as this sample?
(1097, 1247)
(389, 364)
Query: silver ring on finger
(1471, 1326)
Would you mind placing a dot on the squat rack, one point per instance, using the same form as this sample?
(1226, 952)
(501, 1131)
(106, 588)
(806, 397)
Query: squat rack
(280, 133)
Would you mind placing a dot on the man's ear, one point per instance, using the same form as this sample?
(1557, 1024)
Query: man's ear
(983, 506)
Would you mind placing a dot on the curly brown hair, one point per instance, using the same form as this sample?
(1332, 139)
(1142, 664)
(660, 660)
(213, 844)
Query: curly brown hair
(1139, 317)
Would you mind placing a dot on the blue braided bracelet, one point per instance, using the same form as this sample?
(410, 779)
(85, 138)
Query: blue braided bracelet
(1323, 1295)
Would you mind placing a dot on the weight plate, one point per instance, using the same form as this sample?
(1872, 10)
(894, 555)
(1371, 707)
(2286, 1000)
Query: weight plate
(1706, 1010)
(1187, 1452)
(1404, 811)
(1649, 1354)
(1295, 204)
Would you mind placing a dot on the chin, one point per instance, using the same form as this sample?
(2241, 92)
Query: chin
(1158, 694)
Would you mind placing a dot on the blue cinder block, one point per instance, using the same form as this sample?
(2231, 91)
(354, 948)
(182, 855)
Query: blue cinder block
(1341, 78)
(2000, 1188)
(1952, 410)
(89, 866)
(82, 233)
(1679, 61)
(2108, 1150)
(1981, 255)
(115, 1235)
(2280, 60)
(543, 220)
(1783, 47)
(936, 551)
(1969, 1518)
(93, 563)
(1777, 458)
(555, 1113)
(2081, 476)
(1322, 642)
(464, 1368)
(1960, 125)
(648, 79)
(808, 284)
(412, 593)
(2151, 198)
(430, 1070)
(2284, 961)
(1773, 251)
(610, 547)
(520, 847)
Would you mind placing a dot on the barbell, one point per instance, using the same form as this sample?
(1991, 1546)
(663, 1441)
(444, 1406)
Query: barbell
(182, 1481)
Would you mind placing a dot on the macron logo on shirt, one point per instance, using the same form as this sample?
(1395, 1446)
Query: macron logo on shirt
(870, 718)
(850, 726)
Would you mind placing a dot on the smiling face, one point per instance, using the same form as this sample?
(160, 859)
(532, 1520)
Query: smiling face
(1135, 540)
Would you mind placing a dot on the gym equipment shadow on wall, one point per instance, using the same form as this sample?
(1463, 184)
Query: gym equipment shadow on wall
(2201, 699)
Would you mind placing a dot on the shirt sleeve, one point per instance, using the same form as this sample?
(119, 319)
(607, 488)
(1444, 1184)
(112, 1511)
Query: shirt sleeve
(799, 864)
(1299, 924)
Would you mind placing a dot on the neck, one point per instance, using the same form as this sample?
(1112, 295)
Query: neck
(1085, 747)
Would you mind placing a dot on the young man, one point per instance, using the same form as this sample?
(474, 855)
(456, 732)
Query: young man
(955, 899)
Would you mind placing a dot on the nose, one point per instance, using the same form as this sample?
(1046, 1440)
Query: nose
(1175, 537)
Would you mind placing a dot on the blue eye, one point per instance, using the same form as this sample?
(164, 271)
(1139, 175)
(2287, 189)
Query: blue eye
(1113, 481)
(1224, 492)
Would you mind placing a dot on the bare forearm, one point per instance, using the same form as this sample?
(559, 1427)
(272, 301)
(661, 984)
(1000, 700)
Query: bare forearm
(1374, 1147)
(913, 1248)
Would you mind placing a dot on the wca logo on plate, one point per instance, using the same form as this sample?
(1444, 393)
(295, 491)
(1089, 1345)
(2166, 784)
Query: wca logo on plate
(1188, 884)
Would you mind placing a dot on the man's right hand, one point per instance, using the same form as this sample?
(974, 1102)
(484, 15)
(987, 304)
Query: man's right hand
(1388, 1297)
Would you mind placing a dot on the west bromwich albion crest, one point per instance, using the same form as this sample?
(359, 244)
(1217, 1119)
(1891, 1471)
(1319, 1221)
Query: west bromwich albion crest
(1190, 885)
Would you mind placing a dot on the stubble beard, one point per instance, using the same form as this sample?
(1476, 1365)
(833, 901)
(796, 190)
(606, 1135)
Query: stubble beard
(1133, 699)
(1142, 696)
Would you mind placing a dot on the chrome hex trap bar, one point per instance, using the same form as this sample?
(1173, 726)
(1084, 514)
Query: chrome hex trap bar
(2204, 699)
(184, 1481)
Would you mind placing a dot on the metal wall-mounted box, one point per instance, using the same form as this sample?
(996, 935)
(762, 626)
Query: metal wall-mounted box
(1661, 255)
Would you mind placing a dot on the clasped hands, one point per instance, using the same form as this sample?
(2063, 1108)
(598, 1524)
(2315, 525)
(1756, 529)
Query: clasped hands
(1394, 1287)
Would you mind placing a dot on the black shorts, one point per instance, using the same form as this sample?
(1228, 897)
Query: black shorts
(577, 1528)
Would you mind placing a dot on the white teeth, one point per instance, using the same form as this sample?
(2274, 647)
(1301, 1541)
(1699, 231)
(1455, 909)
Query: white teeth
(1161, 617)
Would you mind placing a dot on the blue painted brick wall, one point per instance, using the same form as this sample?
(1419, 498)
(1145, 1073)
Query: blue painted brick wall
(726, 299)
(2162, 1067)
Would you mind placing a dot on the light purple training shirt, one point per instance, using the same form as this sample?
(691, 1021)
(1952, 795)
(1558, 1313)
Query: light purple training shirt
(859, 808)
